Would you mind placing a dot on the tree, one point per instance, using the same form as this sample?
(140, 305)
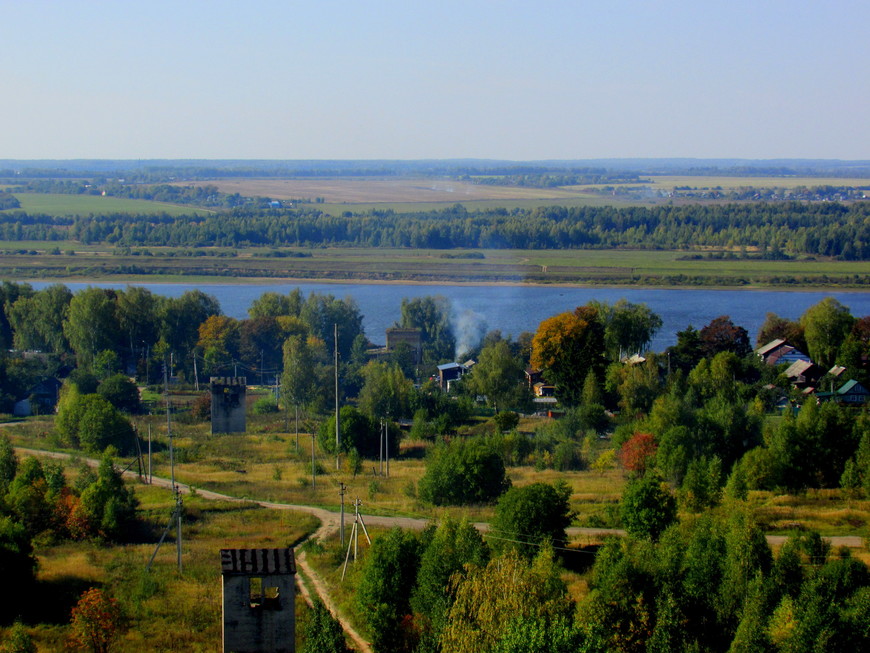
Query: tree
(323, 313)
(432, 316)
(121, 392)
(138, 309)
(8, 463)
(854, 353)
(776, 327)
(92, 423)
(273, 304)
(107, 507)
(628, 328)
(322, 632)
(826, 326)
(508, 602)
(637, 385)
(528, 516)
(297, 381)
(37, 320)
(721, 334)
(498, 376)
(17, 566)
(358, 432)
(180, 320)
(637, 454)
(91, 324)
(97, 621)
(260, 341)
(386, 392)
(567, 347)
(453, 545)
(462, 472)
(219, 342)
(647, 507)
(688, 350)
(384, 592)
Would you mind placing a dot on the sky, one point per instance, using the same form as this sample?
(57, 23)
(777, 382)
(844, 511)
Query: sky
(329, 79)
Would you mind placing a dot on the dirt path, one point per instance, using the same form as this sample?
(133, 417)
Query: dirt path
(329, 524)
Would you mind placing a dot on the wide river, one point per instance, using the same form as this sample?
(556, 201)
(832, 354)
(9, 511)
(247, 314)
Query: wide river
(514, 309)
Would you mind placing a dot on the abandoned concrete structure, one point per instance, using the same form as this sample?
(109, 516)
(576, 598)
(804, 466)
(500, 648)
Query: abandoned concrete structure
(411, 337)
(258, 600)
(228, 404)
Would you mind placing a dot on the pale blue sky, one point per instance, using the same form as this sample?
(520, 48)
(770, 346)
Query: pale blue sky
(485, 79)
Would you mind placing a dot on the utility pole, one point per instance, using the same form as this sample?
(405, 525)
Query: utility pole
(195, 373)
(337, 427)
(354, 536)
(172, 475)
(313, 474)
(176, 517)
(342, 490)
(150, 475)
(387, 444)
(381, 450)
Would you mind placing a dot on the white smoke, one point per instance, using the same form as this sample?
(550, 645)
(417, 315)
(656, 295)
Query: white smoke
(468, 327)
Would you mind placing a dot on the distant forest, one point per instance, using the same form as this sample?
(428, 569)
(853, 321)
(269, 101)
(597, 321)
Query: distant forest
(157, 171)
(777, 230)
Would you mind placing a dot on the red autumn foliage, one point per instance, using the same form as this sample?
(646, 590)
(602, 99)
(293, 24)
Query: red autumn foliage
(637, 452)
(96, 621)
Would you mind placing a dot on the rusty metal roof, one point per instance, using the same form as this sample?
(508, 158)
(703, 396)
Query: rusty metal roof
(257, 562)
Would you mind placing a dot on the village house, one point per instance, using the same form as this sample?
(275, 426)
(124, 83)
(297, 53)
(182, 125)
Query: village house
(851, 393)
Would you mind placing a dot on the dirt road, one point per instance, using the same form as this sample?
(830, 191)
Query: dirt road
(330, 523)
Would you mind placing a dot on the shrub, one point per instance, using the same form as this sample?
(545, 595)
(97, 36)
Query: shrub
(463, 472)
(527, 516)
(265, 406)
(121, 392)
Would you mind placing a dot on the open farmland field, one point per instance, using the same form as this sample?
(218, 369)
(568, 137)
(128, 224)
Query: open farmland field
(667, 182)
(58, 204)
(379, 191)
(574, 267)
(579, 198)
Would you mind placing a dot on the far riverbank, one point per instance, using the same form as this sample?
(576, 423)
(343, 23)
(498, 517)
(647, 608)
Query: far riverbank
(514, 308)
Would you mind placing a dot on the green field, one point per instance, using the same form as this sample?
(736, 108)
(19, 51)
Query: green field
(572, 267)
(577, 199)
(56, 204)
(667, 182)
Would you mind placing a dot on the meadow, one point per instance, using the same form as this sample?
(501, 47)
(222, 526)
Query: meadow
(171, 612)
(62, 205)
(658, 268)
(164, 611)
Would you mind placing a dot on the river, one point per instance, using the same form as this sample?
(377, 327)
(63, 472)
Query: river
(514, 309)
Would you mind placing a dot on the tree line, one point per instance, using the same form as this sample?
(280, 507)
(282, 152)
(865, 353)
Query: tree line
(821, 229)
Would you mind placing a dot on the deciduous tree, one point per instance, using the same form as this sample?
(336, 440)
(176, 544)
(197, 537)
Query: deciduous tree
(567, 347)
(462, 472)
(826, 326)
(647, 507)
(498, 376)
(528, 516)
(97, 621)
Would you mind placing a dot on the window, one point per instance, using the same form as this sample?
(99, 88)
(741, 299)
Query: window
(262, 596)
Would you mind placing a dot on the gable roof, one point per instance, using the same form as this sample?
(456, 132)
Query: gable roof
(852, 387)
(770, 346)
